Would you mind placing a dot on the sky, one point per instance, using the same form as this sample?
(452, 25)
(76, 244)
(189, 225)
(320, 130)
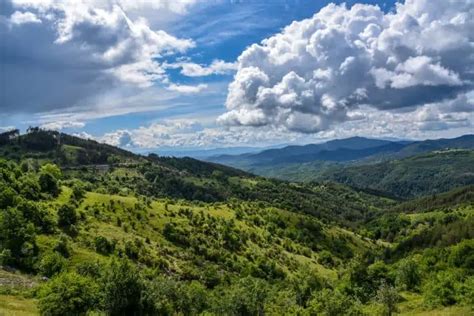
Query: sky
(187, 74)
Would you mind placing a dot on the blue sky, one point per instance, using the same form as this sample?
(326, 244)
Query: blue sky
(157, 74)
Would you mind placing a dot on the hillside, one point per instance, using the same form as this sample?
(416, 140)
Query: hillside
(303, 162)
(175, 236)
(419, 175)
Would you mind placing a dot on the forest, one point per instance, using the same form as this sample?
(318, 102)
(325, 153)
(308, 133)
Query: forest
(90, 229)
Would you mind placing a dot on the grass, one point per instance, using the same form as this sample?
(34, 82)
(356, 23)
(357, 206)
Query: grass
(17, 306)
(446, 311)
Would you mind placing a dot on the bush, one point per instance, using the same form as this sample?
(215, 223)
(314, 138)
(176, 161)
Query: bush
(49, 184)
(388, 296)
(62, 246)
(68, 294)
(103, 245)
(440, 290)
(164, 296)
(333, 303)
(408, 275)
(18, 237)
(462, 255)
(247, 297)
(122, 288)
(51, 264)
(67, 216)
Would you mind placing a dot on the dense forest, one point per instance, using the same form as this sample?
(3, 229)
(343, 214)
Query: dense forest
(90, 229)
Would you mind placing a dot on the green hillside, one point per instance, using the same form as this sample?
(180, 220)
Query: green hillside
(424, 174)
(132, 235)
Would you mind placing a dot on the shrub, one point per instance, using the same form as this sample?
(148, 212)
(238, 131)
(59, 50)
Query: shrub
(68, 294)
(462, 255)
(51, 264)
(333, 303)
(122, 288)
(440, 290)
(388, 296)
(408, 275)
(67, 216)
(103, 245)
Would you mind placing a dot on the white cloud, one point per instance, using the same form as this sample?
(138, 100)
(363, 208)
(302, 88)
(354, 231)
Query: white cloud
(317, 72)
(190, 133)
(19, 18)
(187, 89)
(59, 125)
(217, 67)
(176, 6)
(84, 49)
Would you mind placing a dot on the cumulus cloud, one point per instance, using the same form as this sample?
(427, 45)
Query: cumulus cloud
(82, 48)
(317, 72)
(187, 89)
(217, 67)
(191, 133)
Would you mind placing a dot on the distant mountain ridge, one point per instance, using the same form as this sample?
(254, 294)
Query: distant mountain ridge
(342, 150)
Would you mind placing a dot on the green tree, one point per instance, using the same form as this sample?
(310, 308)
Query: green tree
(122, 288)
(440, 289)
(51, 169)
(462, 255)
(7, 196)
(48, 183)
(67, 215)
(408, 274)
(388, 296)
(247, 297)
(17, 236)
(333, 303)
(68, 294)
(51, 264)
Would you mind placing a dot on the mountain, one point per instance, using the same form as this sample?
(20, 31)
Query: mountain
(203, 153)
(401, 168)
(344, 150)
(335, 150)
(87, 228)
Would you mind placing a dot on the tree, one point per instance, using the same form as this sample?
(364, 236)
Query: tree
(305, 282)
(462, 255)
(247, 297)
(67, 215)
(333, 303)
(29, 187)
(388, 296)
(68, 294)
(52, 169)
(440, 290)
(408, 275)
(48, 183)
(18, 237)
(7, 196)
(122, 288)
(51, 264)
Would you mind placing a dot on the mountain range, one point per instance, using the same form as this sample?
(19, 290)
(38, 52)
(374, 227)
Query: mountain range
(342, 150)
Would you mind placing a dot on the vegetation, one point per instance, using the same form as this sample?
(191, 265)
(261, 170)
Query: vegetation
(415, 176)
(166, 236)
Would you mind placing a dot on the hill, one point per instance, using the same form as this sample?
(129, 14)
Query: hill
(348, 151)
(126, 234)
